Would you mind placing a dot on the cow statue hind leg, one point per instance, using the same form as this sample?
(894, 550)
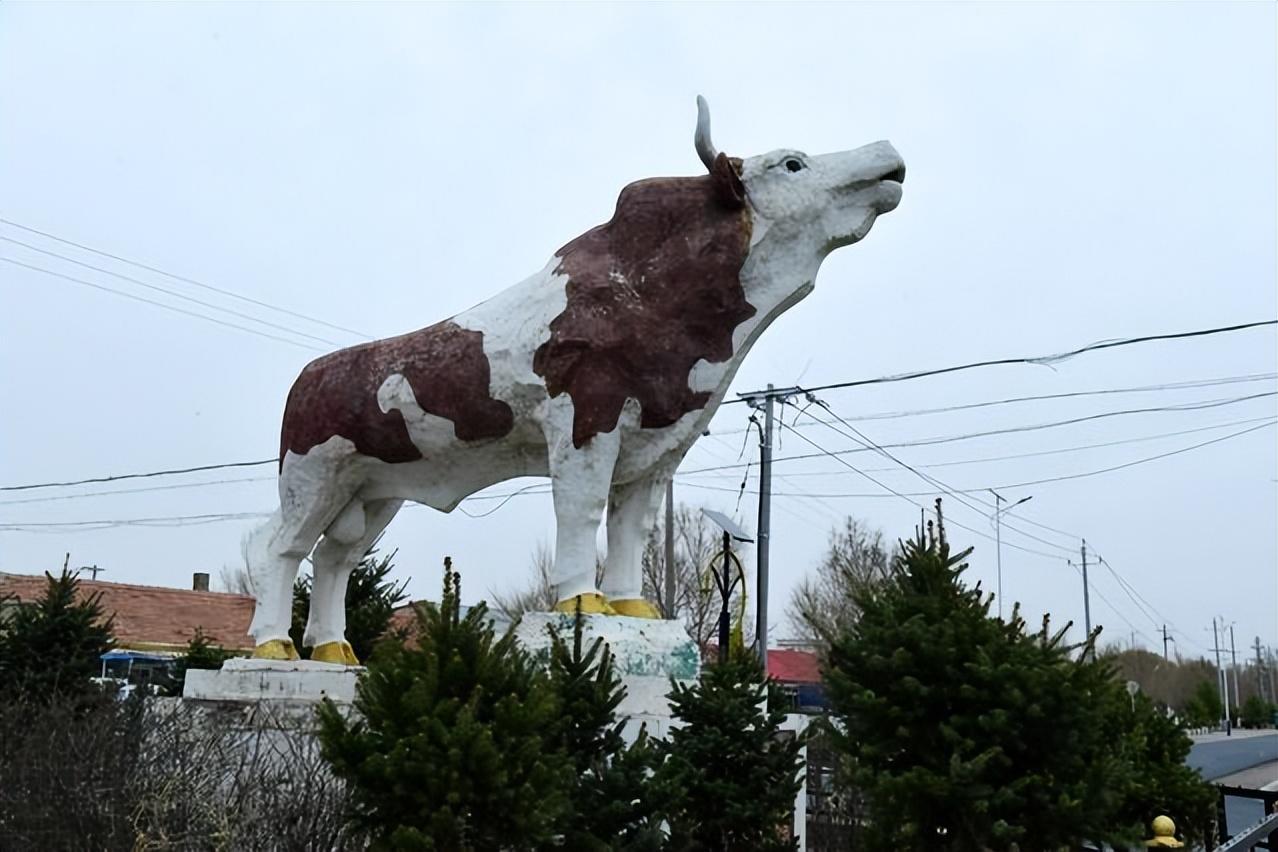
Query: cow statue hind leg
(309, 503)
(580, 479)
(338, 553)
(632, 509)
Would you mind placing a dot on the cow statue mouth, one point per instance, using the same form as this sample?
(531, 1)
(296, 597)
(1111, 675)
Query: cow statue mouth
(892, 189)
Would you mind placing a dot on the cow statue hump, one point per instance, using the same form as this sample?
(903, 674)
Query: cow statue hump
(599, 371)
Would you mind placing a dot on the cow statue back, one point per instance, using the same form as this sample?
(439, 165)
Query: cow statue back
(599, 371)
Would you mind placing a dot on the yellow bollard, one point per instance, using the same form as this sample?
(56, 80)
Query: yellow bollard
(1164, 833)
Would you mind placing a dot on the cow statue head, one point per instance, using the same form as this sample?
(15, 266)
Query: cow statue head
(811, 204)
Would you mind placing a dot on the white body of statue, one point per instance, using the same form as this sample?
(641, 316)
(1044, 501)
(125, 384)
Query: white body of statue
(599, 371)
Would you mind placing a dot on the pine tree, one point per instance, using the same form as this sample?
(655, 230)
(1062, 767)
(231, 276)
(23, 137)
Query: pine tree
(730, 774)
(1204, 706)
(1256, 712)
(53, 646)
(200, 654)
(371, 599)
(963, 732)
(451, 745)
(1158, 783)
(612, 808)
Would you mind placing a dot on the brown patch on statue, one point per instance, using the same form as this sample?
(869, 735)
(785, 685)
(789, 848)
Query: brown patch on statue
(444, 364)
(650, 293)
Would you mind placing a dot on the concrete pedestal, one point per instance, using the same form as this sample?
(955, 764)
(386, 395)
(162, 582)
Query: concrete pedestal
(646, 655)
(242, 679)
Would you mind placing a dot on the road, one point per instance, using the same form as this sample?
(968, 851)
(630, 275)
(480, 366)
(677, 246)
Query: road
(1218, 756)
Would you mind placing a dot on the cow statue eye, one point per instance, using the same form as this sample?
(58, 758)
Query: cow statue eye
(793, 164)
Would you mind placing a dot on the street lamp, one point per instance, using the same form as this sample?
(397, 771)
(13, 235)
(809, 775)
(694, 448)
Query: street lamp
(724, 578)
(998, 539)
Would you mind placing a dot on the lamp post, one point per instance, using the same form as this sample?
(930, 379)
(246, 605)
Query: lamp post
(724, 578)
(998, 538)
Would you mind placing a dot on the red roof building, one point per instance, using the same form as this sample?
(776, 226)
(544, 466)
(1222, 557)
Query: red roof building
(155, 618)
(793, 666)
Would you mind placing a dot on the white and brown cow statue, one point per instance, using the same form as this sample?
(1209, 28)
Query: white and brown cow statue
(599, 371)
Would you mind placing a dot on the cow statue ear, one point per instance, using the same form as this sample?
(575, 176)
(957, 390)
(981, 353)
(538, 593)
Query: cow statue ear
(726, 175)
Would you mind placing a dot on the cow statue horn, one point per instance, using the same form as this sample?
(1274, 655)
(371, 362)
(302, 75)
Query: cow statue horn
(705, 148)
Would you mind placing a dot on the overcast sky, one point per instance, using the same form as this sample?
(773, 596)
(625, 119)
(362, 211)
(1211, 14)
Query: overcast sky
(1077, 172)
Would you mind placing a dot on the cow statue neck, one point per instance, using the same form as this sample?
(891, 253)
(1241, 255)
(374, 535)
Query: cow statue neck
(599, 371)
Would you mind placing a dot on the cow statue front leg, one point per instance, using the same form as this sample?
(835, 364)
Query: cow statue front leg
(632, 509)
(580, 480)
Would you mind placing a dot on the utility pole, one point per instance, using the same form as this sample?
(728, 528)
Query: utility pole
(1166, 639)
(670, 567)
(1087, 603)
(1222, 683)
(998, 547)
(764, 399)
(764, 532)
(1233, 655)
(998, 538)
(1260, 673)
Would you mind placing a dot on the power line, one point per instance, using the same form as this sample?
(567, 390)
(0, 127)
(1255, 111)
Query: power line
(170, 472)
(1198, 383)
(59, 497)
(924, 442)
(174, 293)
(1042, 360)
(169, 307)
(905, 497)
(1009, 486)
(1113, 608)
(697, 471)
(1071, 449)
(170, 521)
(184, 279)
(931, 480)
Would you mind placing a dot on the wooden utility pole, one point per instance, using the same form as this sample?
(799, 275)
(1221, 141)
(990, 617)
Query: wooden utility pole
(1166, 639)
(1087, 602)
(1222, 682)
(1233, 656)
(670, 566)
(1261, 684)
(764, 399)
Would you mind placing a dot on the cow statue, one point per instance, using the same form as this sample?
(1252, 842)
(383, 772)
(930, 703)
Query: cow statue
(599, 371)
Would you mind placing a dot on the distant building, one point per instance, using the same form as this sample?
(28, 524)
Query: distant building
(798, 671)
(154, 619)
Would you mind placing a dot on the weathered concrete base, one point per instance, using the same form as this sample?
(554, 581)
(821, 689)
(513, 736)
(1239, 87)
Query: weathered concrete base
(647, 653)
(242, 679)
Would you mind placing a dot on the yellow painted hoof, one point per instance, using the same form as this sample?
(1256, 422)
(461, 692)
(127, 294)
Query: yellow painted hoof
(592, 603)
(635, 608)
(329, 652)
(349, 654)
(275, 649)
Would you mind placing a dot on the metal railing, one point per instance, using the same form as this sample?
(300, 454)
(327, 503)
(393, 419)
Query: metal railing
(1262, 835)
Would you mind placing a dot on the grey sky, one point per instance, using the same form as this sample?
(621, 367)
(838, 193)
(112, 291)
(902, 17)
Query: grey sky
(1076, 173)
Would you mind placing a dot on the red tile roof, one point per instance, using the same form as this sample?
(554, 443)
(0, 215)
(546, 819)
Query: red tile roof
(156, 618)
(793, 666)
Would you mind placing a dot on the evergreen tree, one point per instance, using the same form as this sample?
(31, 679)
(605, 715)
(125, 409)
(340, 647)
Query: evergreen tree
(450, 745)
(371, 599)
(200, 654)
(961, 731)
(1153, 749)
(611, 805)
(1204, 706)
(53, 646)
(1256, 712)
(730, 775)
